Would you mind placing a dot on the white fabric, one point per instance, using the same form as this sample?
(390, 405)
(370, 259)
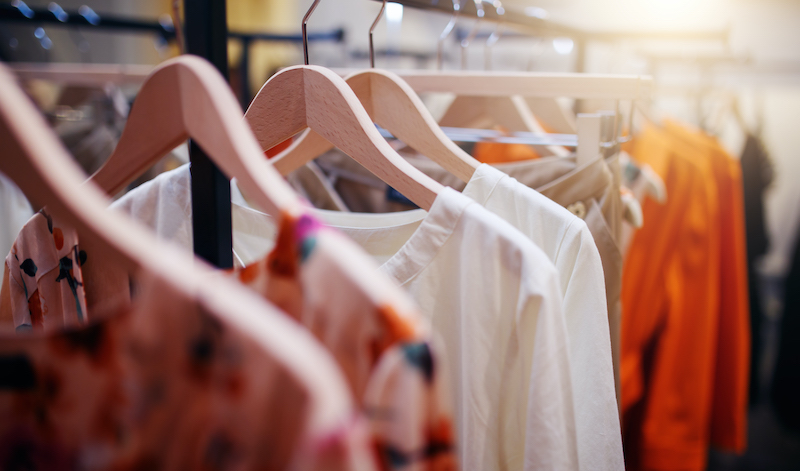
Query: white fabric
(491, 294)
(165, 205)
(15, 210)
(568, 243)
(495, 299)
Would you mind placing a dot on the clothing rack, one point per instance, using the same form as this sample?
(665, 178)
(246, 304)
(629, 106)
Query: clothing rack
(85, 17)
(533, 21)
(206, 35)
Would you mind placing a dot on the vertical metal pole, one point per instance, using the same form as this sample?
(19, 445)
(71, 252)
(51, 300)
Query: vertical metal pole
(244, 68)
(206, 33)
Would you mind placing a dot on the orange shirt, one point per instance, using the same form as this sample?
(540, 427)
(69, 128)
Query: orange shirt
(728, 423)
(681, 368)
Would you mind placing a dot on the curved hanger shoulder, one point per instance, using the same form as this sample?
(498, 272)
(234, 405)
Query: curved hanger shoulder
(393, 105)
(187, 98)
(38, 163)
(314, 97)
(510, 113)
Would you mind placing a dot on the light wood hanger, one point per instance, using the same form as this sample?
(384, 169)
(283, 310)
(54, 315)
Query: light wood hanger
(37, 162)
(394, 106)
(314, 97)
(186, 97)
(559, 118)
(511, 113)
(82, 74)
(535, 84)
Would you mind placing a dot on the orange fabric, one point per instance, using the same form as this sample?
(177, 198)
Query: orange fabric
(728, 427)
(685, 345)
(498, 153)
(278, 148)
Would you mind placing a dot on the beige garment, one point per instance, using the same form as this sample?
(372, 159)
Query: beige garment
(590, 191)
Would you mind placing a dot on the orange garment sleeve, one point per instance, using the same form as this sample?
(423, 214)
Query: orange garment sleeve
(670, 327)
(729, 413)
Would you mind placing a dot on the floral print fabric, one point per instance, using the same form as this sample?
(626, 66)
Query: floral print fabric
(167, 384)
(46, 284)
(383, 349)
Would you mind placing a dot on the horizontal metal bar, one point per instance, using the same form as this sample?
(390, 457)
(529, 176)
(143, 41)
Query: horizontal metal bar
(87, 17)
(534, 22)
(488, 135)
(90, 19)
(516, 18)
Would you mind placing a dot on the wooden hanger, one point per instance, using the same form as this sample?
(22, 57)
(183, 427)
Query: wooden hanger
(393, 105)
(183, 98)
(559, 118)
(511, 113)
(82, 74)
(316, 98)
(37, 162)
(187, 97)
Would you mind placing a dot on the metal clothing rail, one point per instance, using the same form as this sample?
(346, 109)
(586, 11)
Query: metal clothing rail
(534, 21)
(85, 17)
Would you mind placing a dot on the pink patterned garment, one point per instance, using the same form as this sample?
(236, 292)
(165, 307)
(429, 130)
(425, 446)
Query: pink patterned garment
(385, 350)
(46, 284)
(167, 384)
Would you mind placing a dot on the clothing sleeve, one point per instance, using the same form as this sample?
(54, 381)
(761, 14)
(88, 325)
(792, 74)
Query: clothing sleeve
(550, 436)
(6, 317)
(586, 315)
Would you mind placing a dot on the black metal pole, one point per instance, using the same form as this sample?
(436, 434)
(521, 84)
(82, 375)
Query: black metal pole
(244, 70)
(206, 32)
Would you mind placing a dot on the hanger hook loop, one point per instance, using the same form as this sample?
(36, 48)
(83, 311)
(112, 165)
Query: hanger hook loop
(446, 32)
(466, 41)
(495, 36)
(371, 29)
(305, 31)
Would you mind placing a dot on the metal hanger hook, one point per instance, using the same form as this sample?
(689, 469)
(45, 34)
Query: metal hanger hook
(305, 32)
(495, 36)
(466, 41)
(446, 32)
(371, 29)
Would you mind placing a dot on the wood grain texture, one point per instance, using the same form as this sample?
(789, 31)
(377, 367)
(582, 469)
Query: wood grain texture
(530, 84)
(393, 105)
(333, 111)
(186, 97)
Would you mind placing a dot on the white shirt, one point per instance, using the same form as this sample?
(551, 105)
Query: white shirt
(491, 294)
(14, 213)
(495, 299)
(567, 242)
